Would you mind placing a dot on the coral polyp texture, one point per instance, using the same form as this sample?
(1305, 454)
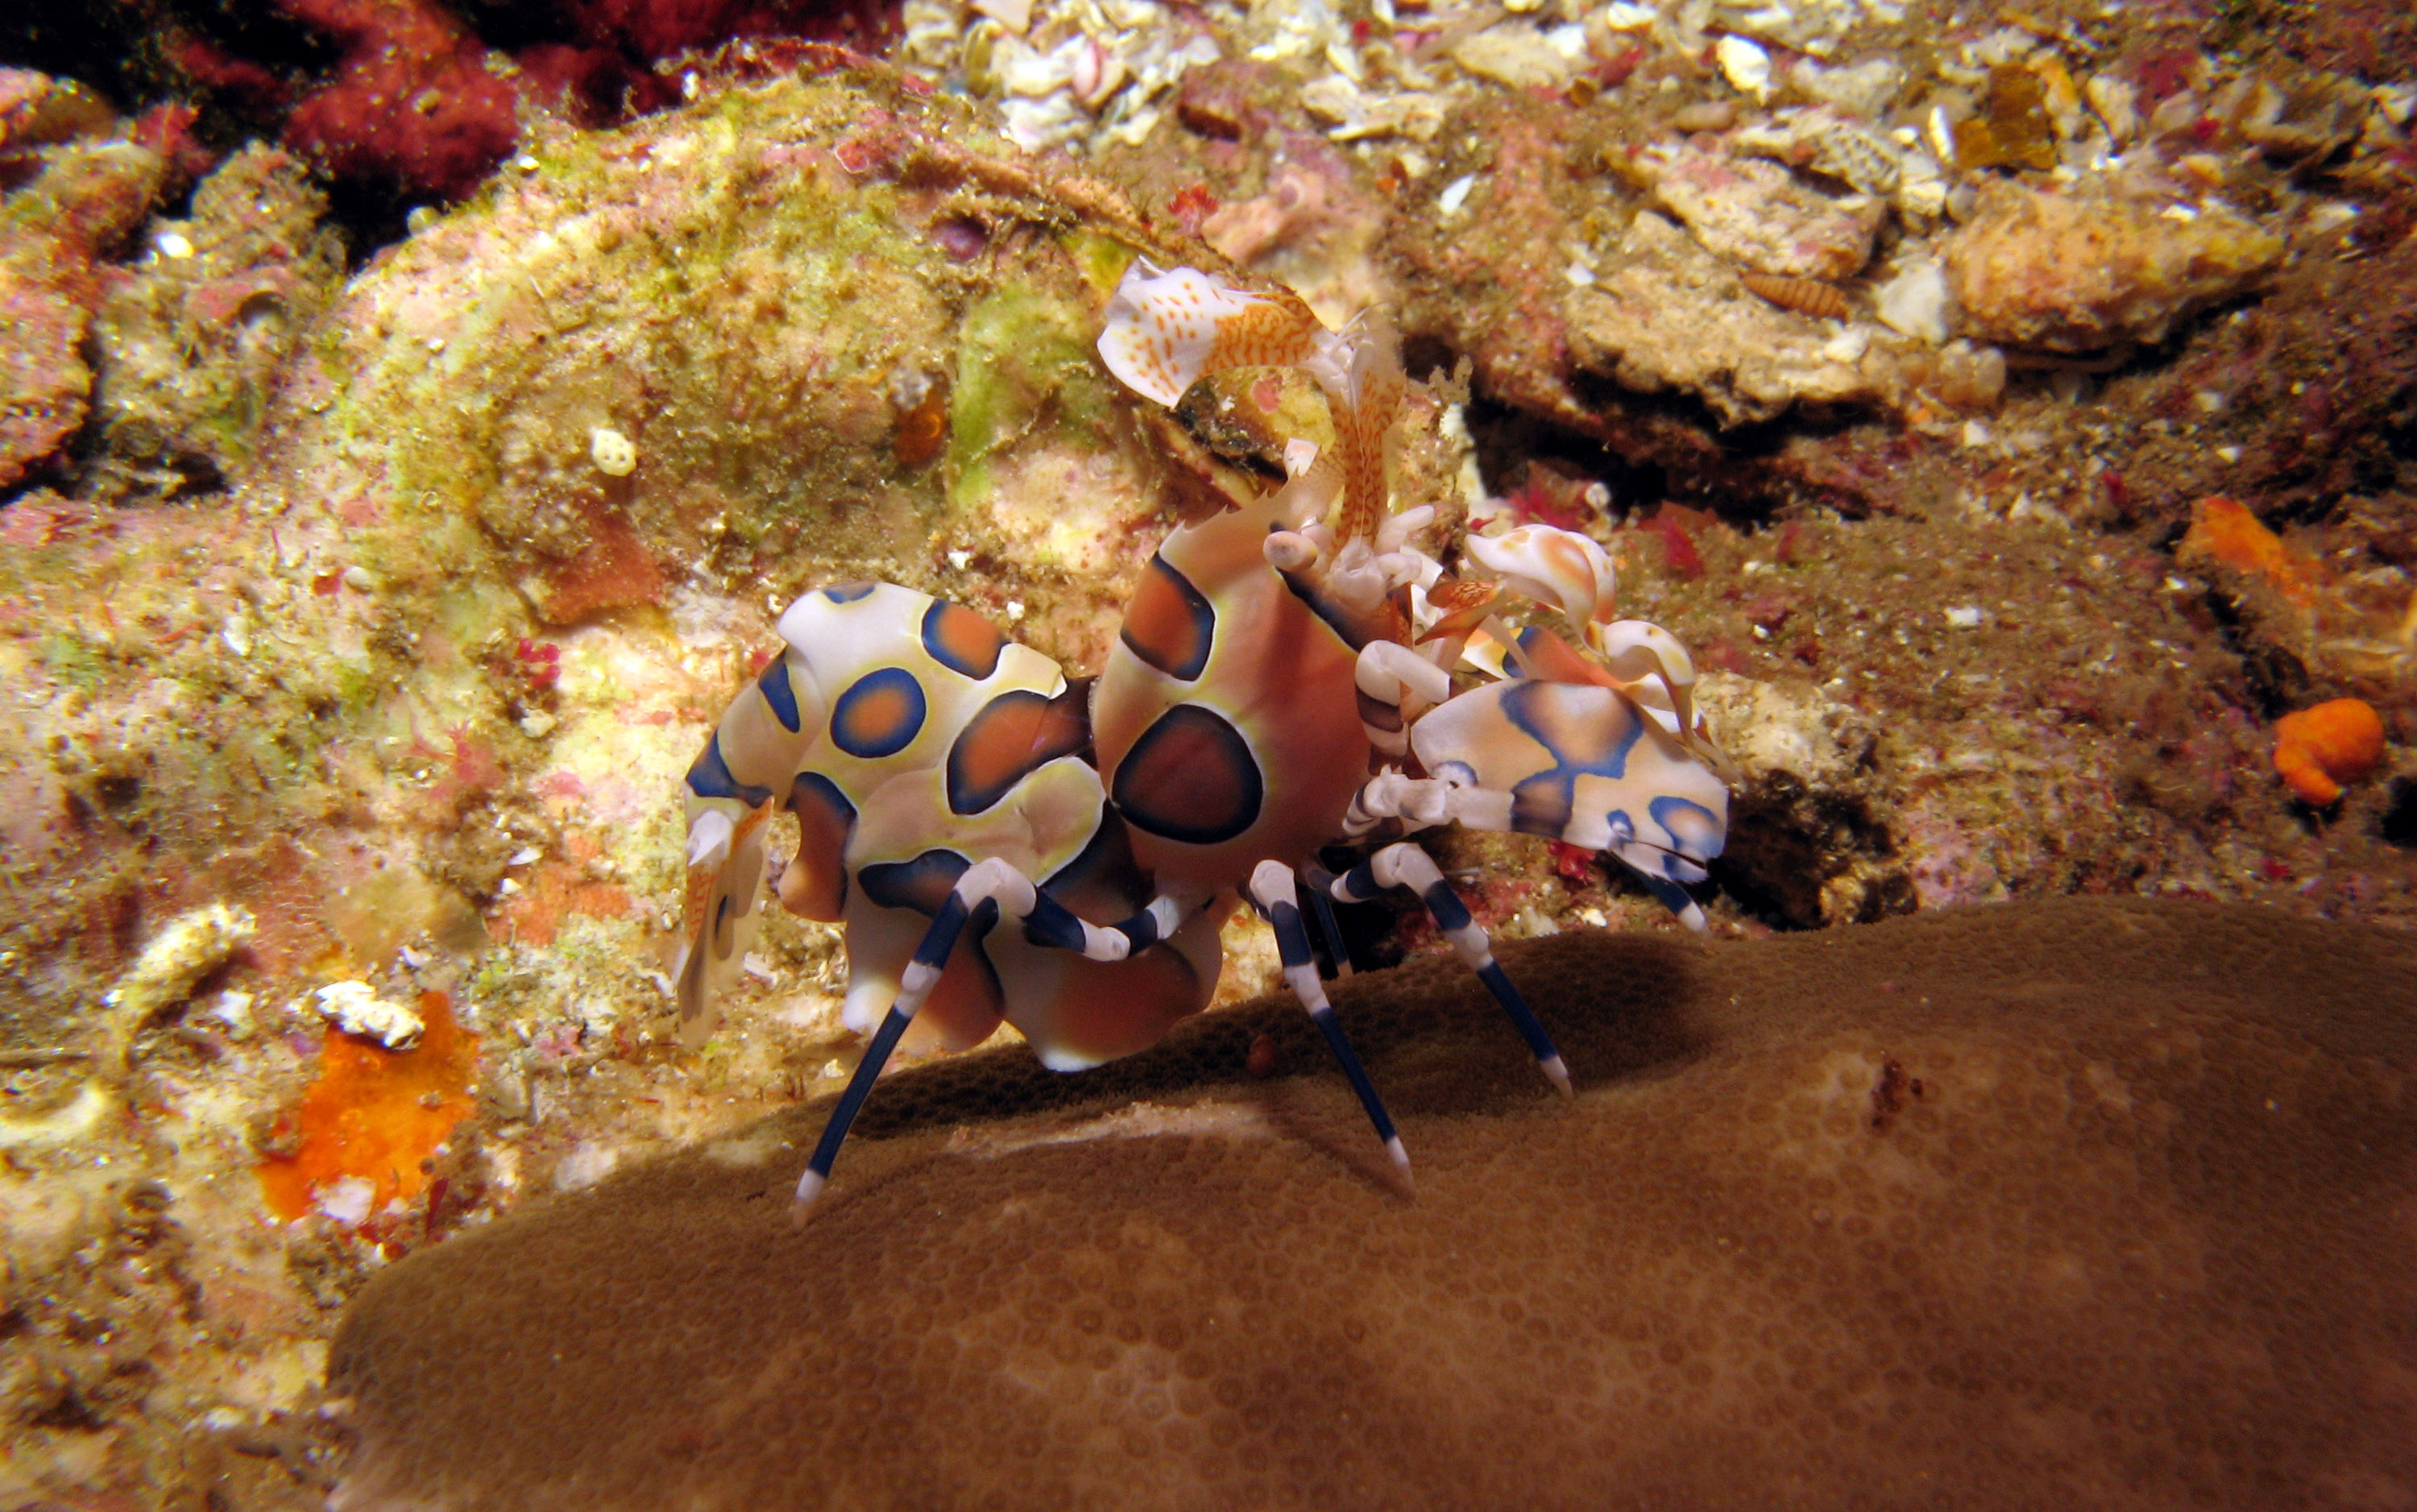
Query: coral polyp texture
(2077, 1201)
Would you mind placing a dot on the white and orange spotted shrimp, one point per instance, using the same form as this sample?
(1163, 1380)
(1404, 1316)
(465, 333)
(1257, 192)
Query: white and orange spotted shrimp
(940, 774)
(1265, 661)
(1268, 655)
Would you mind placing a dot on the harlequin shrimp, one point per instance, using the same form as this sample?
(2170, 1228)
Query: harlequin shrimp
(935, 767)
(946, 780)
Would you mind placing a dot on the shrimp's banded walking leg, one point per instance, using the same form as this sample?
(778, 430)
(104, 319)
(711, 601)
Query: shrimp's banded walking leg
(985, 891)
(1273, 891)
(1330, 930)
(1404, 865)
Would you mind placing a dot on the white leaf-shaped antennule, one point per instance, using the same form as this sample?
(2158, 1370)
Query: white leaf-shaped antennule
(1163, 327)
(1558, 567)
(708, 838)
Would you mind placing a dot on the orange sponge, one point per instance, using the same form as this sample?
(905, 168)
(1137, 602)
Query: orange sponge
(2222, 532)
(2318, 749)
(375, 1114)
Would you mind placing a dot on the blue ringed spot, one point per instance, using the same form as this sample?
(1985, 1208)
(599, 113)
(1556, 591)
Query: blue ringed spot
(848, 593)
(881, 714)
(711, 778)
(961, 640)
(1170, 625)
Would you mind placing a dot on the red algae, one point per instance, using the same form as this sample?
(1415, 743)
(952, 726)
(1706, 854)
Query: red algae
(375, 1115)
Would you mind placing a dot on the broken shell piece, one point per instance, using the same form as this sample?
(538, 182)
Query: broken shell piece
(1746, 67)
(1758, 215)
(1826, 142)
(357, 1009)
(1513, 54)
(1864, 90)
(1352, 113)
(2296, 118)
(1015, 15)
(2115, 103)
(1914, 303)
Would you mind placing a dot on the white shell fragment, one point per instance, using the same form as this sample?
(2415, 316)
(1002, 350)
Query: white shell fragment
(614, 454)
(1513, 54)
(1914, 303)
(1746, 67)
(356, 1008)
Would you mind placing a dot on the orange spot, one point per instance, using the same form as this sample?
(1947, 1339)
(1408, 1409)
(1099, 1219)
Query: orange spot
(921, 430)
(376, 1114)
(612, 570)
(963, 641)
(1169, 623)
(1261, 1062)
(875, 717)
(2223, 532)
(2318, 750)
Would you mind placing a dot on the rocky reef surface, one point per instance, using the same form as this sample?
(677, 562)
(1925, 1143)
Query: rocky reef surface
(2013, 407)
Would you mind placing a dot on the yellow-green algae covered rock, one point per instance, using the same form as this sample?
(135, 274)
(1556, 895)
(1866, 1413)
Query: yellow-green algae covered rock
(730, 335)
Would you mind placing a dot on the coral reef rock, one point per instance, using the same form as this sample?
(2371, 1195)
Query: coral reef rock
(2108, 1196)
(190, 340)
(2076, 272)
(87, 196)
(1756, 214)
(1670, 315)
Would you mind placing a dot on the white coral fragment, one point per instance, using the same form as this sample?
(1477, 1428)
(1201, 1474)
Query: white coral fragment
(1746, 67)
(193, 945)
(356, 1008)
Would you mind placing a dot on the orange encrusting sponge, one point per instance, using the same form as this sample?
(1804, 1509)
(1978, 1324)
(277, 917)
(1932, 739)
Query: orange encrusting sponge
(2225, 532)
(2318, 749)
(375, 1114)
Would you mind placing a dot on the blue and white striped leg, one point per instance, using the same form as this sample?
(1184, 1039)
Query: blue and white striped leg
(1273, 890)
(1049, 922)
(987, 890)
(1404, 865)
(1316, 880)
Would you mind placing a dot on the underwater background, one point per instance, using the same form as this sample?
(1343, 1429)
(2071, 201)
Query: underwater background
(415, 414)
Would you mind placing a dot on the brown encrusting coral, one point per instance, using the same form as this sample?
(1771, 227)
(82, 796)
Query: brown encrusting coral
(2066, 1204)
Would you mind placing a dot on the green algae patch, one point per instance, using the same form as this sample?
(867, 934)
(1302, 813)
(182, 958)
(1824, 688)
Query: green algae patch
(1022, 357)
